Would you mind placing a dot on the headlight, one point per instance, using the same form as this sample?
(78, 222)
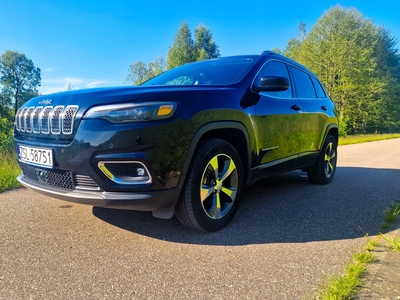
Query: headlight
(138, 112)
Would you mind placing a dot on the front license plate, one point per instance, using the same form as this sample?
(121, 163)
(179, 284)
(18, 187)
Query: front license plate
(35, 156)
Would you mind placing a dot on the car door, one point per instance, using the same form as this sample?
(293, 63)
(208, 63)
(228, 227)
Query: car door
(277, 119)
(316, 107)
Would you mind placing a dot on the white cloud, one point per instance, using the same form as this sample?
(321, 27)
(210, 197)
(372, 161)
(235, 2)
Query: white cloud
(60, 84)
(94, 84)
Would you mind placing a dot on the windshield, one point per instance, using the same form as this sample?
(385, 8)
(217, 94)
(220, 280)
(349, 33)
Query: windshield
(220, 71)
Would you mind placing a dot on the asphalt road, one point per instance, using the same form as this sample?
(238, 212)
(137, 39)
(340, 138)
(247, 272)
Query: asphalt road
(286, 239)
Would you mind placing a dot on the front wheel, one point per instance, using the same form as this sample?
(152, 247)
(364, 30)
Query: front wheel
(325, 167)
(213, 187)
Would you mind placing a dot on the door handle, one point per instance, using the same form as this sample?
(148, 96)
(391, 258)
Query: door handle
(323, 107)
(295, 107)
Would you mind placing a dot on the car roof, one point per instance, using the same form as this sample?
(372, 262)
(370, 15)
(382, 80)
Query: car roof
(286, 59)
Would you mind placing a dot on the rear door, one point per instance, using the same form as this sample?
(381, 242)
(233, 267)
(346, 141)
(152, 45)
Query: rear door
(316, 109)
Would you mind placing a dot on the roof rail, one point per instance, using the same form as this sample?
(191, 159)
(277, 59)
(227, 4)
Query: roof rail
(268, 52)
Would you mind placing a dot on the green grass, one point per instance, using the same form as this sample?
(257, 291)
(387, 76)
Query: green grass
(390, 215)
(363, 138)
(344, 286)
(9, 170)
(371, 244)
(393, 242)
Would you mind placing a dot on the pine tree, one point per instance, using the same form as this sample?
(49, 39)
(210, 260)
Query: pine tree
(183, 49)
(205, 47)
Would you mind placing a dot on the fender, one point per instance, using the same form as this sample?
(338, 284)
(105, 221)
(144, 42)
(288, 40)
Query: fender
(211, 127)
(327, 130)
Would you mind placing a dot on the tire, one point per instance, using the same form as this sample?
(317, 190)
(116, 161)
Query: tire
(213, 187)
(325, 167)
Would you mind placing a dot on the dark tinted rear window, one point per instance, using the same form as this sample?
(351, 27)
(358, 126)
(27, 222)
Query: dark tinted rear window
(318, 88)
(303, 84)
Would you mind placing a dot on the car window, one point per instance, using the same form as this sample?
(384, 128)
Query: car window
(318, 88)
(275, 68)
(303, 84)
(215, 71)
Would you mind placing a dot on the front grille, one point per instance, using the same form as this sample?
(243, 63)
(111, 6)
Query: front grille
(58, 179)
(46, 120)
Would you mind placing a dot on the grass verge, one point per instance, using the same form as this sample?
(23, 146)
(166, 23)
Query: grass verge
(393, 242)
(363, 138)
(346, 285)
(390, 217)
(9, 170)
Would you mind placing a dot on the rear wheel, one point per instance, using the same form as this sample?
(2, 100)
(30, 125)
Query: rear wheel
(213, 187)
(325, 168)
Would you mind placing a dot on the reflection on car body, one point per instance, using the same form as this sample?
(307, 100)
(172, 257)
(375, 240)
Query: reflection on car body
(185, 142)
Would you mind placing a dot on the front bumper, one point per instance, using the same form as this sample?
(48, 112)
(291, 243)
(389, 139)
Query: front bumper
(164, 200)
(98, 165)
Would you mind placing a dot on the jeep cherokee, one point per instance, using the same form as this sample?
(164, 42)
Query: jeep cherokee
(185, 142)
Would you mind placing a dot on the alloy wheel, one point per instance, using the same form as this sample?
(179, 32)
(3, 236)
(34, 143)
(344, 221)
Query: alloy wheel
(219, 186)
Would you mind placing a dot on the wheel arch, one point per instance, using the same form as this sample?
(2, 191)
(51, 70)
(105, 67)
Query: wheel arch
(333, 130)
(233, 132)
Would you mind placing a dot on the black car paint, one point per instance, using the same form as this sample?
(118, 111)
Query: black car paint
(258, 125)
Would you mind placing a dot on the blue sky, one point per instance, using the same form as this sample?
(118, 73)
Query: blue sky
(92, 43)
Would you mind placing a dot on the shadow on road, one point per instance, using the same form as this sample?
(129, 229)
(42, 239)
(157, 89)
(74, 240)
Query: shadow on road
(285, 209)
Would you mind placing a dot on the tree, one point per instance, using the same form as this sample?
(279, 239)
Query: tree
(388, 67)
(185, 49)
(205, 47)
(140, 72)
(18, 76)
(6, 128)
(70, 87)
(4, 100)
(341, 49)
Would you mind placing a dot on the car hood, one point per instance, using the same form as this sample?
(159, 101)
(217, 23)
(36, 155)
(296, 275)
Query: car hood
(87, 98)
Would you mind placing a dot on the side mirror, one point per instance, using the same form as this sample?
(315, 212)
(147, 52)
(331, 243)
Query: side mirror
(272, 84)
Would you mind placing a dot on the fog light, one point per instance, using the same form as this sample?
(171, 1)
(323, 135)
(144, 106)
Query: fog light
(140, 171)
(125, 172)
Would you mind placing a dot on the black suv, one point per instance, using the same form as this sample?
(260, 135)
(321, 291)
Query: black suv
(185, 142)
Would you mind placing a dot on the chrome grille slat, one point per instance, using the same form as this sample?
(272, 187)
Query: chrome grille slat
(18, 119)
(36, 119)
(44, 119)
(68, 119)
(28, 119)
(55, 120)
(22, 119)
